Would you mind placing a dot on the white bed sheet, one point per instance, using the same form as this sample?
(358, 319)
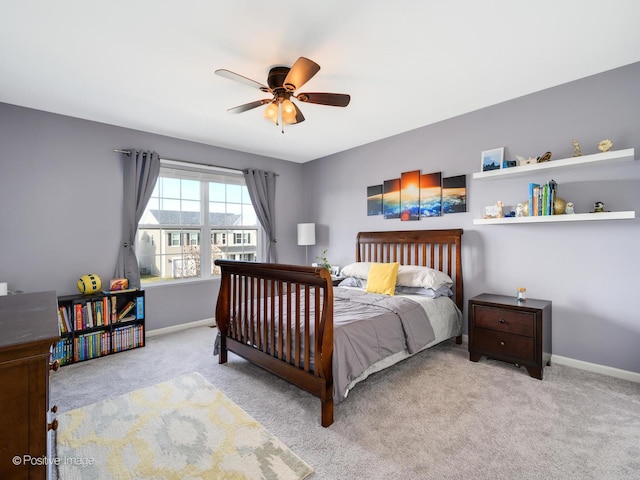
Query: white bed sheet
(444, 328)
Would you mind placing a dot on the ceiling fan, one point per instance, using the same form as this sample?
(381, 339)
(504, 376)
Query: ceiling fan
(282, 83)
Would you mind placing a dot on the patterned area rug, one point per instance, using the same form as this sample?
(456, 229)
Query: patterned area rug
(181, 429)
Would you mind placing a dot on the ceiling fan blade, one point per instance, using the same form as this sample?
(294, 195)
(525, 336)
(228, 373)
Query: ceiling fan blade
(249, 106)
(300, 73)
(242, 79)
(331, 99)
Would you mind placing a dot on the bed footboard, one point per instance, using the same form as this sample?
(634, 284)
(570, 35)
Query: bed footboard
(280, 317)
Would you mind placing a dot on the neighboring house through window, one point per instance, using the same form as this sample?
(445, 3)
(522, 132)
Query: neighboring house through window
(192, 213)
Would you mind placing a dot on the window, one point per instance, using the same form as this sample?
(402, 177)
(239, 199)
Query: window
(174, 239)
(219, 238)
(195, 216)
(240, 238)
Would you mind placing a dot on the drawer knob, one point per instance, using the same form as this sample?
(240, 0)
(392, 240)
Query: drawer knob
(501, 320)
(54, 409)
(54, 366)
(53, 425)
(502, 344)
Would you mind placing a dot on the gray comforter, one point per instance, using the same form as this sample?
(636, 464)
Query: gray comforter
(369, 327)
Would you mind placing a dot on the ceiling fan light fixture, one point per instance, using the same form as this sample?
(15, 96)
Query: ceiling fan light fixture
(288, 112)
(271, 112)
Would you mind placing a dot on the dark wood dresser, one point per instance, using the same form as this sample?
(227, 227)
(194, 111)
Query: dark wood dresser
(503, 328)
(28, 328)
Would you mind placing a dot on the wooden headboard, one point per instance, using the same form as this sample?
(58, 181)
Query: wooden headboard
(437, 249)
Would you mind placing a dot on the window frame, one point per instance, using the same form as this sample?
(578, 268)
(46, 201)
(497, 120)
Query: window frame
(204, 230)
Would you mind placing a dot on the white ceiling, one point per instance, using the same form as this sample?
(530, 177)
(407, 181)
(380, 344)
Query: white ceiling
(148, 64)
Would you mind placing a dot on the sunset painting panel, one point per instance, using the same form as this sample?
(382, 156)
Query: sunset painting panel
(454, 194)
(410, 195)
(391, 198)
(431, 194)
(374, 200)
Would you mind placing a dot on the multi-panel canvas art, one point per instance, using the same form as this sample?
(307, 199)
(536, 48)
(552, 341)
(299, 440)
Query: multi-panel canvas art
(415, 195)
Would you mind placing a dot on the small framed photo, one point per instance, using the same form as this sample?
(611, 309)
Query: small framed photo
(492, 159)
(492, 211)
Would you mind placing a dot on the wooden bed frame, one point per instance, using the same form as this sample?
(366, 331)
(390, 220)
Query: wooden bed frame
(265, 311)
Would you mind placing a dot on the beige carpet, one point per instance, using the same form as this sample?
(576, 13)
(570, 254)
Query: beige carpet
(180, 429)
(435, 416)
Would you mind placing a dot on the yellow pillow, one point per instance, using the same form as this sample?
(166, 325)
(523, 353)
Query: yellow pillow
(382, 278)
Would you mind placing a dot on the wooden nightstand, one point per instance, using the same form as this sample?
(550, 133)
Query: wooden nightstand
(500, 327)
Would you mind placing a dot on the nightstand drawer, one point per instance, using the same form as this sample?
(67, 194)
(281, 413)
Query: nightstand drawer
(504, 320)
(505, 344)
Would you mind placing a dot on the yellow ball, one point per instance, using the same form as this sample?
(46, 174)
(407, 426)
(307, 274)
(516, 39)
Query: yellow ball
(90, 283)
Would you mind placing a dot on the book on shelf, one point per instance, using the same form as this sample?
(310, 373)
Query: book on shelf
(126, 309)
(77, 316)
(139, 307)
(88, 315)
(118, 284)
(541, 198)
(115, 292)
(63, 317)
(62, 328)
(114, 309)
(533, 192)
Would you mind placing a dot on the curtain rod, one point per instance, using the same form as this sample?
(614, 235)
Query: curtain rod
(219, 167)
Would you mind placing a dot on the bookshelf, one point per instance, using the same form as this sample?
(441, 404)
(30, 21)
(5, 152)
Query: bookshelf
(596, 159)
(584, 161)
(576, 217)
(99, 324)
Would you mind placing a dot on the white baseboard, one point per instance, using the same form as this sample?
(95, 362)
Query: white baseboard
(182, 326)
(590, 367)
(596, 368)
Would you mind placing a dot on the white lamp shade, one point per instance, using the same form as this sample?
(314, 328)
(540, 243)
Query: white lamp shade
(306, 234)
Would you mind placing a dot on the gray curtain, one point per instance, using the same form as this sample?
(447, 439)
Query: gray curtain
(141, 171)
(262, 191)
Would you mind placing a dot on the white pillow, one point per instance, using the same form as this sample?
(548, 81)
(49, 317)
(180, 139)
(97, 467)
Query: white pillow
(443, 291)
(408, 275)
(353, 282)
(417, 276)
(356, 270)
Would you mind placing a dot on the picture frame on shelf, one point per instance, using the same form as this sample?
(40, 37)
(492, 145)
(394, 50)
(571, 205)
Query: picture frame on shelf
(493, 211)
(492, 159)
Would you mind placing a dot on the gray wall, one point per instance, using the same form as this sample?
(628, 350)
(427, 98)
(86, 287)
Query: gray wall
(61, 204)
(588, 270)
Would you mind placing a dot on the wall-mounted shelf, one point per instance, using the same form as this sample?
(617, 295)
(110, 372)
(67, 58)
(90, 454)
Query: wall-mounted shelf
(606, 158)
(576, 217)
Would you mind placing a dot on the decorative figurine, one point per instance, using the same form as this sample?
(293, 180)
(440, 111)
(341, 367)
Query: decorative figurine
(519, 210)
(569, 208)
(605, 145)
(598, 207)
(559, 206)
(500, 213)
(576, 149)
(526, 161)
(544, 158)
